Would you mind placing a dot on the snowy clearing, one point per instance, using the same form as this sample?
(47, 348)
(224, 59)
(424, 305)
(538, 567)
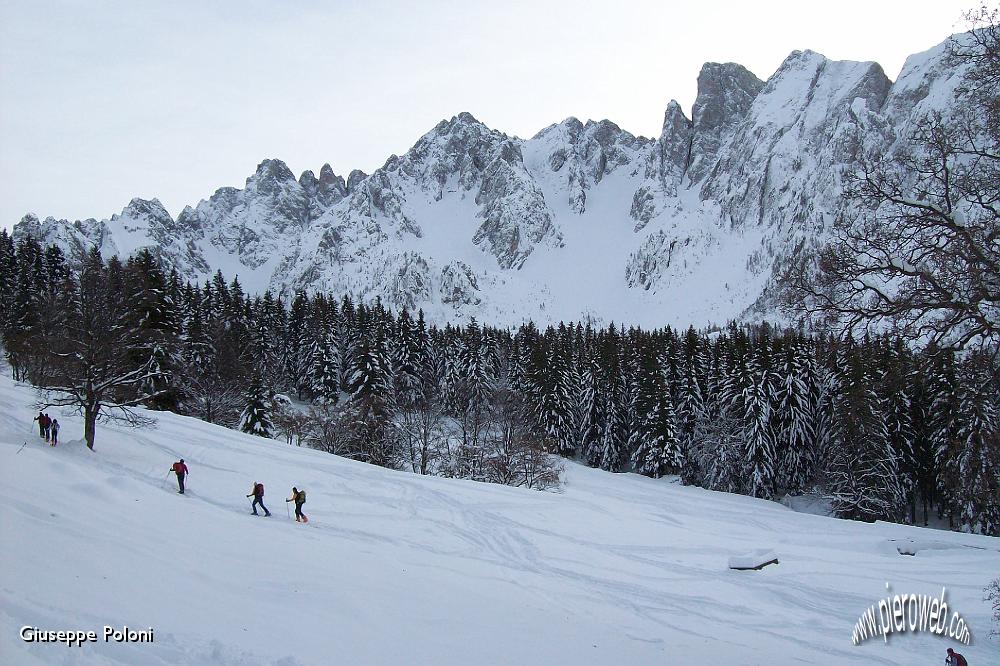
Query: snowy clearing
(400, 569)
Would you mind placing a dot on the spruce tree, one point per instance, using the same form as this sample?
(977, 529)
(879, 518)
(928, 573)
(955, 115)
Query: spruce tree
(795, 432)
(864, 471)
(973, 464)
(325, 372)
(750, 397)
(256, 418)
(658, 450)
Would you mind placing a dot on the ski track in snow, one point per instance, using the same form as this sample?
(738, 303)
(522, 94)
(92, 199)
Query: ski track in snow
(400, 569)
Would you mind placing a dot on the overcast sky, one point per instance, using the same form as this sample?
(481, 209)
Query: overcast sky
(104, 101)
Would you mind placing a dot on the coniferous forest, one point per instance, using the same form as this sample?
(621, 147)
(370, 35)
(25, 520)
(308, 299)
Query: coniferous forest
(882, 429)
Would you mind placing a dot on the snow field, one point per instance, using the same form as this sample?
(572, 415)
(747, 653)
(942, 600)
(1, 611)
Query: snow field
(400, 569)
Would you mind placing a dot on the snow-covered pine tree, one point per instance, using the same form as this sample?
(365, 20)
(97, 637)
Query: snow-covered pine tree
(27, 303)
(721, 450)
(944, 431)
(550, 394)
(475, 365)
(345, 338)
(256, 418)
(972, 467)
(795, 432)
(897, 382)
(155, 321)
(406, 361)
(924, 465)
(750, 394)
(297, 348)
(8, 284)
(592, 402)
(326, 372)
(452, 349)
(863, 475)
(370, 380)
(629, 411)
(690, 408)
(570, 350)
(612, 445)
(372, 401)
(658, 450)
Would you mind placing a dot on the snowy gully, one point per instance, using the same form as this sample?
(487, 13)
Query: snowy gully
(76, 638)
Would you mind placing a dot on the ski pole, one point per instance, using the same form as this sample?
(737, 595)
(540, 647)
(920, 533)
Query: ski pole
(22, 447)
(287, 511)
(164, 482)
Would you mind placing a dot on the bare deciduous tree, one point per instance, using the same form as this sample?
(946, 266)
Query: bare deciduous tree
(923, 257)
(514, 454)
(89, 367)
(993, 596)
(292, 423)
(422, 434)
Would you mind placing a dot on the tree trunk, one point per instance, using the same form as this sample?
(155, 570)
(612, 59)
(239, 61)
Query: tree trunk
(90, 412)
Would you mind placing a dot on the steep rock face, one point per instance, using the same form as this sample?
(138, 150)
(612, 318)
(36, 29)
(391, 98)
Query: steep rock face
(463, 158)
(515, 216)
(665, 166)
(583, 154)
(725, 94)
(801, 130)
(583, 219)
(675, 145)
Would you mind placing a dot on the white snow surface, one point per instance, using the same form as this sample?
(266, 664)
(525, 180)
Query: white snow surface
(400, 569)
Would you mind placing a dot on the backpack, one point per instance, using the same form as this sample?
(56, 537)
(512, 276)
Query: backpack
(258, 490)
(301, 499)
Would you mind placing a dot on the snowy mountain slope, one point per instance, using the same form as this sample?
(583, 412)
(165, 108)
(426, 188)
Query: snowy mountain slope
(396, 568)
(583, 219)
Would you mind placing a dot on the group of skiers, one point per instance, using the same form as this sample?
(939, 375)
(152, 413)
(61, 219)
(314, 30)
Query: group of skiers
(257, 492)
(48, 428)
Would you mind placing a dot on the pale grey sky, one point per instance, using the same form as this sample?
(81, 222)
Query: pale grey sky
(101, 101)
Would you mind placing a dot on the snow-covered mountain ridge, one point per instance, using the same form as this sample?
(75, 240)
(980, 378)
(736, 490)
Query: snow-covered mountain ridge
(583, 220)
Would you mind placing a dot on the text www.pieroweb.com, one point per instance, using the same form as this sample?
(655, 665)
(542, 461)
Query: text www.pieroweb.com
(901, 613)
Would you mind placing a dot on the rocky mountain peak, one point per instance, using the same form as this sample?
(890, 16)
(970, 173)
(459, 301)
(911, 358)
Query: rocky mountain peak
(674, 118)
(328, 177)
(308, 180)
(675, 141)
(272, 177)
(354, 178)
(322, 192)
(725, 93)
(150, 209)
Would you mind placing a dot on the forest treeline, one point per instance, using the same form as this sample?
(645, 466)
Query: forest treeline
(884, 430)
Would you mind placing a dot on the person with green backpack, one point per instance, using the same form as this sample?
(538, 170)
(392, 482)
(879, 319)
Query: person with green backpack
(299, 497)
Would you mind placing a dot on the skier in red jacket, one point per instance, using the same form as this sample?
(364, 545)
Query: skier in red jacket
(181, 470)
(955, 659)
